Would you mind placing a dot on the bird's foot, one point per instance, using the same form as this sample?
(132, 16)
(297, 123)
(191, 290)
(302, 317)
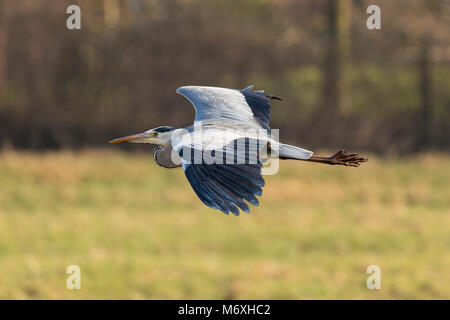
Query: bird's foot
(345, 159)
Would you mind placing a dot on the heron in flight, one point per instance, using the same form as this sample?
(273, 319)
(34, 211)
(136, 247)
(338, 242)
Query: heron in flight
(224, 176)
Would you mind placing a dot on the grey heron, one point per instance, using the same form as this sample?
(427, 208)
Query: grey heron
(223, 119)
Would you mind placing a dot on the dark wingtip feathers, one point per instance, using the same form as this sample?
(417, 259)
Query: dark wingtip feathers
(261, 92)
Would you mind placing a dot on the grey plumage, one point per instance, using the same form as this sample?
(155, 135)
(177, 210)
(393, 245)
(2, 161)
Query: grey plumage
(227, 187)
(166, 157)
(223, 152)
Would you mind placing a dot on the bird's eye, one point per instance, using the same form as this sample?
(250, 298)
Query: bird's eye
(155, 134)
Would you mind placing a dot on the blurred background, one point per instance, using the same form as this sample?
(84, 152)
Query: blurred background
(138, 231)
(341, 83)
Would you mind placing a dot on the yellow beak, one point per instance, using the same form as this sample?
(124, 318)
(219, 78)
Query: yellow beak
(132, 138)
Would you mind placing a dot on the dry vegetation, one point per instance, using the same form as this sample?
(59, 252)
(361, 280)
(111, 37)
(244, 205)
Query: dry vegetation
(138, 231)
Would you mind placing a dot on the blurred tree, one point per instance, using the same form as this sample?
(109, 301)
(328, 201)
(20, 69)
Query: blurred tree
(425, 88)
(112, 12)
(3, 43)
(336, 58)
(118, 74)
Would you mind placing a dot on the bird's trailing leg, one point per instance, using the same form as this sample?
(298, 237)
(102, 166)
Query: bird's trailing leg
(340, 158)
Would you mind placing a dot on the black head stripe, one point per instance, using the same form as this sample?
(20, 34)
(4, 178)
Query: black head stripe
(163, 129)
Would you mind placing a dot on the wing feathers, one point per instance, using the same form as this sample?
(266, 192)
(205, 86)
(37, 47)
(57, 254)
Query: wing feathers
(214, 103)
(226, 187)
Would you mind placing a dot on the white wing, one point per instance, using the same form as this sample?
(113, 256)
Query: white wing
(213, 103)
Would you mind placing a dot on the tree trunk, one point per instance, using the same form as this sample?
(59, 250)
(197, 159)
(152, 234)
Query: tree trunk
(336, 56)
(3, 45)
(111, 10)
(334, 98)
(425, 90)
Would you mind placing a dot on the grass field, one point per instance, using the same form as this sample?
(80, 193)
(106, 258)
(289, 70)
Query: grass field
(138, 231)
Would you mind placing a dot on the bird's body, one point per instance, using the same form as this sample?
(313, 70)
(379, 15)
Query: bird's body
(223, 152)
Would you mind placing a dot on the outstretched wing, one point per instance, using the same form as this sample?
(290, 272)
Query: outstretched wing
(213, 103)
(226, 186)
(231, 179)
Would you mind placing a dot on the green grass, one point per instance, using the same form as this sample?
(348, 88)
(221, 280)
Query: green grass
(138, 231)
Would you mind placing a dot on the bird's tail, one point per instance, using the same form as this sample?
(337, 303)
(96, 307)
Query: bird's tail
(287, 151)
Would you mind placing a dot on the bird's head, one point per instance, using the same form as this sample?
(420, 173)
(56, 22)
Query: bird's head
(160, 136)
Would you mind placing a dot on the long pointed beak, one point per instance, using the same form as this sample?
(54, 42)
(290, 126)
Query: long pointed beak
(131, 138)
